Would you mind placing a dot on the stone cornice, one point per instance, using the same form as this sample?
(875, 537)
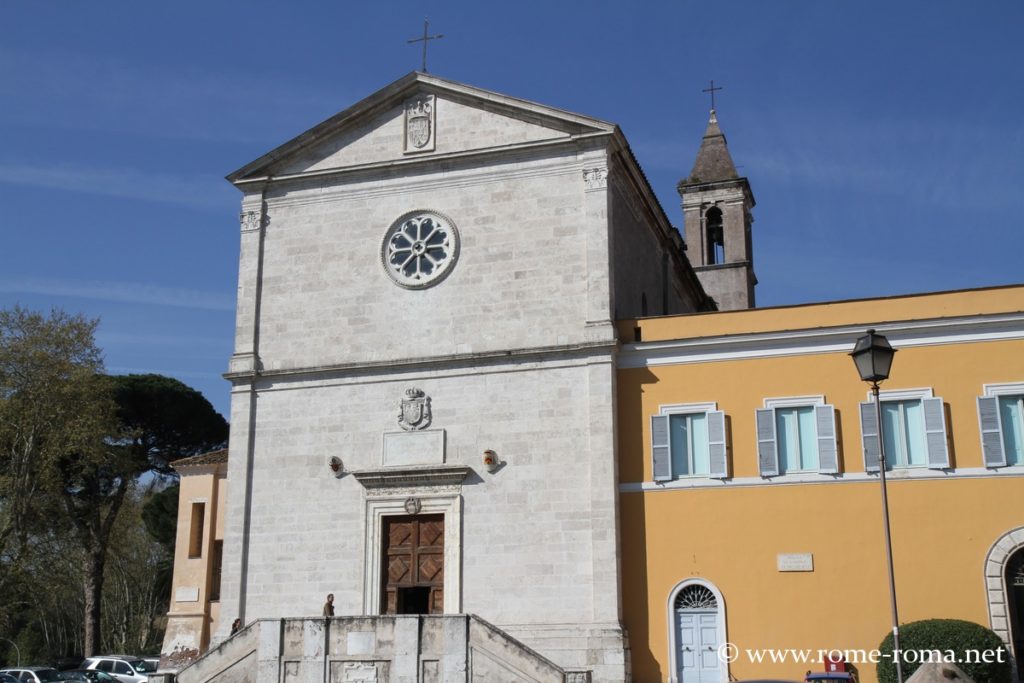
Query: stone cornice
(535, 166)
(403, 164)
(420, 475)
(581, 349)
(835, 339)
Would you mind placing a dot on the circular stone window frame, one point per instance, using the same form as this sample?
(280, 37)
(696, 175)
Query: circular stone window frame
(447, 266)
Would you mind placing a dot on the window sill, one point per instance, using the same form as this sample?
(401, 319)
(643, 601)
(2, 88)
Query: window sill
(802, 479)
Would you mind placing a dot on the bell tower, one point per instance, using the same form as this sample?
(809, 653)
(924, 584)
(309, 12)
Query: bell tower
(717, 216)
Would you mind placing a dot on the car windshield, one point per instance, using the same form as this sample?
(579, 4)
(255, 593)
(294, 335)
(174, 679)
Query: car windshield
(141, 665)
(47, 675)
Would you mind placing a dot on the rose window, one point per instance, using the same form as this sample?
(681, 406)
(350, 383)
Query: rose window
(420, 249)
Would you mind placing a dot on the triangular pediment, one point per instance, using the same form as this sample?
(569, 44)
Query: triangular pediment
(416, 117)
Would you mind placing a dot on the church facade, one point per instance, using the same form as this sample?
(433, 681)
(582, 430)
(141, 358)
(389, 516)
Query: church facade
(466, 335)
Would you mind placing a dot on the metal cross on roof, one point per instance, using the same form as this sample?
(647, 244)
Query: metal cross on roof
(424, 40)
(712, 90)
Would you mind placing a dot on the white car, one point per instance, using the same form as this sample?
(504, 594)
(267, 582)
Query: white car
(124, 669)
(34, 674)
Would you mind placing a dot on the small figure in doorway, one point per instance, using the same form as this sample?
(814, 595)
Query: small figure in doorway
(329, 605)
(236, 626)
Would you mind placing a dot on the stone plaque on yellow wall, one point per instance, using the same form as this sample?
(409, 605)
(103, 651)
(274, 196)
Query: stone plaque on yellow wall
(795, 562)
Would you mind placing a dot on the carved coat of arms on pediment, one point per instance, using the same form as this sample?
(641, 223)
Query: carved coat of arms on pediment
(415, 412)
(419, 124)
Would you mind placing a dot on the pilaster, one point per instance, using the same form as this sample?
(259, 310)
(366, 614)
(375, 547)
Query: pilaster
(596, 200)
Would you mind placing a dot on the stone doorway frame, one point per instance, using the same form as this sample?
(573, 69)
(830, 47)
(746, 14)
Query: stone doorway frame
(392, 503)
(996, 589)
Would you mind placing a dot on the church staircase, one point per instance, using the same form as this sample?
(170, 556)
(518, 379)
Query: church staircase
(377, 649)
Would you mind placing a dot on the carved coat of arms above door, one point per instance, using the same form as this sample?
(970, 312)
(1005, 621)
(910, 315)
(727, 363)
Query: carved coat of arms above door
(415, 412)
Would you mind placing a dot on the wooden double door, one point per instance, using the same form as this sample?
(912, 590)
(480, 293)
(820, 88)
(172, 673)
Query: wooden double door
(414, 565)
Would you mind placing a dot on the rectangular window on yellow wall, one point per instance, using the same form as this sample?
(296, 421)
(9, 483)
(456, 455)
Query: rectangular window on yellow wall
(913, 430)
(195, 539)
(1011, 414)
(216, 562)
(1001, 418)
(796, 434)
(689, 440)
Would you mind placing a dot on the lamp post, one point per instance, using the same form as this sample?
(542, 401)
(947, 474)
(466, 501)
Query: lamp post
(16, 649)
(873, 355)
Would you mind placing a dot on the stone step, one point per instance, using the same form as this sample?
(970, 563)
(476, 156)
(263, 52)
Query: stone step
(375, 649)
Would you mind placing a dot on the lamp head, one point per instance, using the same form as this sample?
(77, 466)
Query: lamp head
(873, 355)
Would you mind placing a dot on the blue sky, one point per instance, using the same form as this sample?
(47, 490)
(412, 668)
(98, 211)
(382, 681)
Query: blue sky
(884, 141)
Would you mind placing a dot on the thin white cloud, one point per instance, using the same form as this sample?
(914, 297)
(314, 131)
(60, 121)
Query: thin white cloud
(931, 162)
(189, 341)
(123, 292)
(81, 91)
(196, 191)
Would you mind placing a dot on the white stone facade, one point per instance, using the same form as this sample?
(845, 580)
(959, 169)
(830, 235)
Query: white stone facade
(515, 348)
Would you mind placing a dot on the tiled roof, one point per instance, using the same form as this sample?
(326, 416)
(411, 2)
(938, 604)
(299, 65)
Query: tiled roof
(211, 458)
(713, 162)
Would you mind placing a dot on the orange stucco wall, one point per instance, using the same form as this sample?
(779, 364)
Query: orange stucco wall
(193, 621)
(731, 535)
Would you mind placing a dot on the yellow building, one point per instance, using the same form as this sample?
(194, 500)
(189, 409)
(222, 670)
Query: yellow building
(198, 554)
(772, 537)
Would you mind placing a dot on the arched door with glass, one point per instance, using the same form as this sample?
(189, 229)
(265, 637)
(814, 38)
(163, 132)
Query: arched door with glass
(697, 638)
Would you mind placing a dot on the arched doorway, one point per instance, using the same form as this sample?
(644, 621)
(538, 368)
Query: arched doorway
(697, 631)
(1014, 582)
(1004, 581)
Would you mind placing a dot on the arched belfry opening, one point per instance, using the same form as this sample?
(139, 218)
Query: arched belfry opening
(714, 237)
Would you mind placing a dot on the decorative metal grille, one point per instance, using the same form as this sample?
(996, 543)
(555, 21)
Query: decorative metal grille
(1015, 569)
(696, 597)
(419, 249)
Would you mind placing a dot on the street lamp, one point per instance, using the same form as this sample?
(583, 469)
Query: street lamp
(16, 649)
(872, 355)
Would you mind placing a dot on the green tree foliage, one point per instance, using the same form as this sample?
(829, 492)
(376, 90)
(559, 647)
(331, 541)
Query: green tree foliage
(75, 447)
(166, 420)
(947, 640)
(160, 516)
(159, 419)
(52, 402)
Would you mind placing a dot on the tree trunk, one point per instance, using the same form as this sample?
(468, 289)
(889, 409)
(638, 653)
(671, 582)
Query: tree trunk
(93, 583)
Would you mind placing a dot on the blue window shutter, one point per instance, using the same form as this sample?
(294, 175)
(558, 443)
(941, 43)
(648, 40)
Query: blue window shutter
(660, 453)
(991, 431)
(869, 435)
(828, 450)
(717, 451)
(935, 433)
(767, 450)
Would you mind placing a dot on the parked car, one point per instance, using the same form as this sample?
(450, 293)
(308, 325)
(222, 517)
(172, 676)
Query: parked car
(34, 674)
(122, 668)
(832, 676)
(7, 678)
(87, 676)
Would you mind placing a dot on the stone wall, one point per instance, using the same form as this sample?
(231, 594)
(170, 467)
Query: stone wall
(394, 649)
(541, 528)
